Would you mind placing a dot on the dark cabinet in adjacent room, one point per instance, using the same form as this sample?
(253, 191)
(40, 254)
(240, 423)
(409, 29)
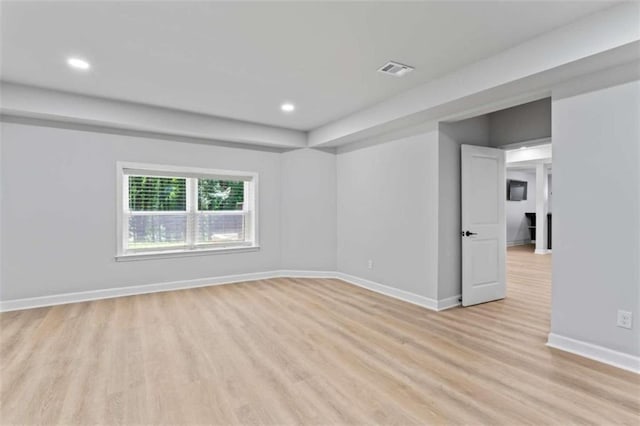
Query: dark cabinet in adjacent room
(532, 227)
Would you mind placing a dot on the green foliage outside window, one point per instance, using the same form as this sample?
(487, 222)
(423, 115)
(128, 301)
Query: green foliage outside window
(148, 193)
(168, 194)
(220, 195)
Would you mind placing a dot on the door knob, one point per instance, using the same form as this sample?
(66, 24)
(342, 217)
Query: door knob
(467, 233)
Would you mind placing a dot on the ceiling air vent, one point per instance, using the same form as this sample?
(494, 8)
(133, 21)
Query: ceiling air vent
(395, 69)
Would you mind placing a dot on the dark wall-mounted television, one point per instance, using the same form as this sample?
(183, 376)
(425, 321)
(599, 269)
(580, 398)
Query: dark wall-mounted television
(516, 190)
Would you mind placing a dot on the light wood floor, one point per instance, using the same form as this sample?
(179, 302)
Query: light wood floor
(304, 351)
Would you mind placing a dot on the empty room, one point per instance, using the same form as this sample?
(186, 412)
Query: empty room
(329, 213)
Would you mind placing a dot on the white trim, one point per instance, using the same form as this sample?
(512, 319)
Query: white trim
(190, 206)
(199, 171)
(288, 273)
(84, 296)
(185, 253)
(542, 208)
(108, 293)
(449, 302)
(406, 296)
(529, 143)
(519, 243)
(598, 353)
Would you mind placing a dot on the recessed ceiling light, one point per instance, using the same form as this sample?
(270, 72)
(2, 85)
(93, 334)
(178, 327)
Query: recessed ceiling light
(79, 64)
(523, 147)
(287, 107)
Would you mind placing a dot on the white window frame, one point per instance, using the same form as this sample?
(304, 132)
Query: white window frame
(122, 205)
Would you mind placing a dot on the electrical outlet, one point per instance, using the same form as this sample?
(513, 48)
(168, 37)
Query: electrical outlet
(625, 319)
(370, 264)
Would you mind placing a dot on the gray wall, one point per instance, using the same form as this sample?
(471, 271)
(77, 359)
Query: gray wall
(64, 240)
(517, 223)
(596, 247)
(388, 212)
(399, 205)
(308, 220)
(474, 131)
(521, 123)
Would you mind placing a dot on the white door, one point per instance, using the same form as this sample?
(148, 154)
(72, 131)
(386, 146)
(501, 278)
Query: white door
(484, 233)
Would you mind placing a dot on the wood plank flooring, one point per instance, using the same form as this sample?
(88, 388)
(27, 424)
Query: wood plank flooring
(304, 351)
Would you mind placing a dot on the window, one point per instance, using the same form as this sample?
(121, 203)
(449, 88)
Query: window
(184, 210)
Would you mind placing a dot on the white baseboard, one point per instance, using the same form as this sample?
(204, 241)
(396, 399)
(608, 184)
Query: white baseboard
(449, 302)
(403, 295)
(595, 352)
(306, 274)
(85, 296)
(518, 243)
(541, 251)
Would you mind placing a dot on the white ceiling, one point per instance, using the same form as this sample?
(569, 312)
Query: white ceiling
(242, 60)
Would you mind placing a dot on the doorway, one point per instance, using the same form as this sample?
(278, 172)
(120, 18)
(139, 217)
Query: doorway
(529, 245)
(505, 193)
(521, 135)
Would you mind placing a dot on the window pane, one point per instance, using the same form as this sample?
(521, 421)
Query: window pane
(215, 195)
(148, 193)
(220, 228)
(157, 231)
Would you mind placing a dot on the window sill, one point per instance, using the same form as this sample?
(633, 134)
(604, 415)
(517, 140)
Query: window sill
(185, 253)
